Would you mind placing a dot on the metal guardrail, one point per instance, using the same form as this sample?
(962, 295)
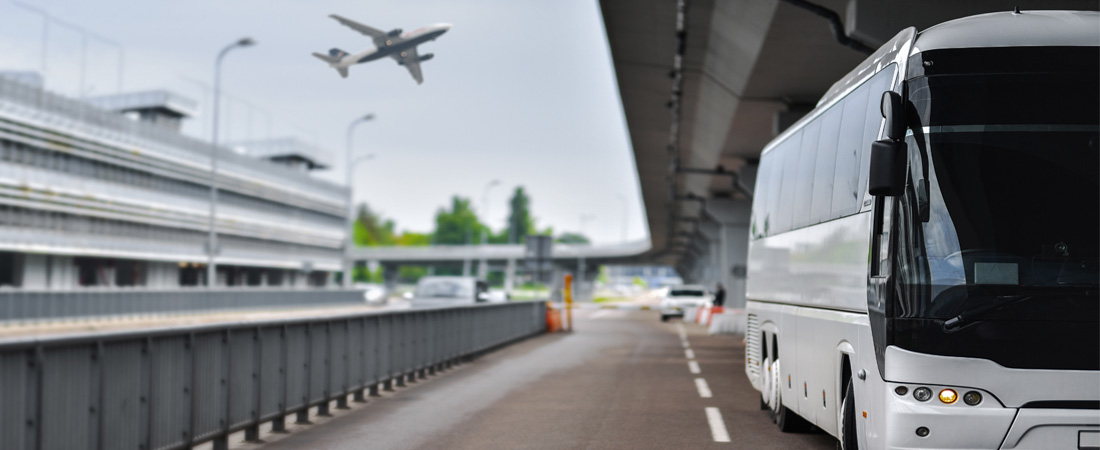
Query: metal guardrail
(28, 306)
(178, 387)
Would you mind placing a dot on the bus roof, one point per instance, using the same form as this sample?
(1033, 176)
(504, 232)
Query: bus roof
(1011, 29)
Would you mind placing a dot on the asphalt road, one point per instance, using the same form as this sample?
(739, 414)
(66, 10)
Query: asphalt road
(621, 380)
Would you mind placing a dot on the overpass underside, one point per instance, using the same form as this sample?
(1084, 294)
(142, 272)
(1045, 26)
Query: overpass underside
(706, 84)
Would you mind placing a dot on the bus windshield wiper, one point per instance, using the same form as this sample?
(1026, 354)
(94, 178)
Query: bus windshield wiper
(971, 316)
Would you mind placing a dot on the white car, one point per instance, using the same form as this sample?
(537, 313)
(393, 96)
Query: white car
(680, 298)
(448, 291)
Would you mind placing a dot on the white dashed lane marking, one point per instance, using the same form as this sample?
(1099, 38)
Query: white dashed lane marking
(701, 386)
(717, 426)
(689, 353)
(693, 366)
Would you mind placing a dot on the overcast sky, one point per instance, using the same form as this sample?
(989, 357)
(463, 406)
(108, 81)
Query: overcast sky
(523, 92)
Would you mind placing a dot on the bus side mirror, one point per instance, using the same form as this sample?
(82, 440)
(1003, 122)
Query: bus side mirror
(887, 177)
(893, 110)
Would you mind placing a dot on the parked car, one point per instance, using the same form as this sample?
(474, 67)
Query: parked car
(449, 290)
(373, 293)
(681, 297)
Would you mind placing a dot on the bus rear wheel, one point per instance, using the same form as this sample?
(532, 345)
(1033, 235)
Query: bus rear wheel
(790, 422)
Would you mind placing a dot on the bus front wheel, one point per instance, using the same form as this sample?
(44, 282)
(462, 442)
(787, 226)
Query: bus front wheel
(848, 439)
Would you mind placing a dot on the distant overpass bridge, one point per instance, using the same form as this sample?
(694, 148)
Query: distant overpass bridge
(565, 256)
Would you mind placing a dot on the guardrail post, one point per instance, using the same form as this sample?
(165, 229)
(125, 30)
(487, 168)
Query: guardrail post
(342, 397)
(302, 415)
(252, 431)
(358, 395)
(326, 392)
(278, 425)
(146, 379)
(399, 370)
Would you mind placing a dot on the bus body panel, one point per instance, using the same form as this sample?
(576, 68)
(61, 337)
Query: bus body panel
(812, 344)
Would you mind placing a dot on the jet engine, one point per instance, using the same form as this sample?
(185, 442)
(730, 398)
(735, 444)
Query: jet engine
(394, 32)
(427, 57)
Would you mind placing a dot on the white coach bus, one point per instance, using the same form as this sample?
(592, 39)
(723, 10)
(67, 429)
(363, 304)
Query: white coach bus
(924, 257)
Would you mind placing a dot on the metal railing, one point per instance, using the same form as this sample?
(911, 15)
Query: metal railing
(178, 387)
(19, 306)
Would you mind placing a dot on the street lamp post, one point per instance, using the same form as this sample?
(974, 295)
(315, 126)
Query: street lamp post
(580, 256)
(348, 171)
(483, 267)
(212, 242)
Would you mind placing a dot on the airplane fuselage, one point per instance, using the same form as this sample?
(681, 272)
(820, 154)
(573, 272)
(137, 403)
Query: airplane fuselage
(389, 47)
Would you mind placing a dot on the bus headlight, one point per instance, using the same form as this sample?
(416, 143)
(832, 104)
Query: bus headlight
(949, 396)
(922, 394)
(972, 398)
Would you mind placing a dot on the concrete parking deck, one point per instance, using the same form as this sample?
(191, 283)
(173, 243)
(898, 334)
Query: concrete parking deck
(621, 380)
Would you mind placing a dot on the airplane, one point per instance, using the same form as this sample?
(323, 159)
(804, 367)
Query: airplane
(395, 44)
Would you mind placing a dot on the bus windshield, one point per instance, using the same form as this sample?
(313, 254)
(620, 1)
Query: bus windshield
(1005, 176)
(998, 233)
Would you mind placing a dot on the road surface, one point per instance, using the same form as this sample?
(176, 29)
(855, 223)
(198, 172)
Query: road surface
(621, 380)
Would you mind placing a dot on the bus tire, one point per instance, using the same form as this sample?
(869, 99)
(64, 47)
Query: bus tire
(763, 404)
(789, 421)
(847, 438)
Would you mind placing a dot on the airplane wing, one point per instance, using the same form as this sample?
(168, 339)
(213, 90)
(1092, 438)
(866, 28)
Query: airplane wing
(411, 60)
(374, 33)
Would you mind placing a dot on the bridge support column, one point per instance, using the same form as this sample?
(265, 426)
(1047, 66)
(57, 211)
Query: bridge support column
(510, 276)
(733, 246)
(389, 276)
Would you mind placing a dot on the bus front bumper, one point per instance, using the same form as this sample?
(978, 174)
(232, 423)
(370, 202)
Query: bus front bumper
(933, 424)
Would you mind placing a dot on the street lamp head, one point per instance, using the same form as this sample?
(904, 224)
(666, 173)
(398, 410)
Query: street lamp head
(246, 42)
(368, 117)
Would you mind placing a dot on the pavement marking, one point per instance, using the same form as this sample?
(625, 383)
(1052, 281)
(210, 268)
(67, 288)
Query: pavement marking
(689, 353)
(685, 344)
(693, 366)
(704, 390)
(717, 426)
(682, 331)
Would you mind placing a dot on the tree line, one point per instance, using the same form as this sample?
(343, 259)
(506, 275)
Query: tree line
(457, 224)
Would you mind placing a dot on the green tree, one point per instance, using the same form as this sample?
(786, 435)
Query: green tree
(520, 222)
(410, 239)
(572, 238)
(370, 229)
(455, 225)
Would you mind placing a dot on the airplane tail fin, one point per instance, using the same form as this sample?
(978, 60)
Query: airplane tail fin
(333, 58)
(337, 53)
(326, 58)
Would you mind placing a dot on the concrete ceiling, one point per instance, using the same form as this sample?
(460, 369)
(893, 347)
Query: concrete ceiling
(744, 61)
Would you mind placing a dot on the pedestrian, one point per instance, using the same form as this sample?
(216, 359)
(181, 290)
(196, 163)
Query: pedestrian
(719, 296)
